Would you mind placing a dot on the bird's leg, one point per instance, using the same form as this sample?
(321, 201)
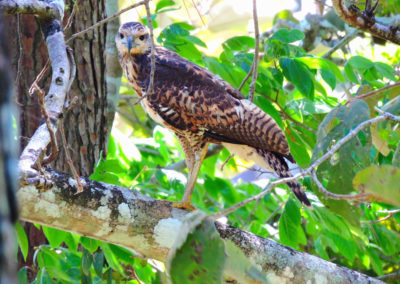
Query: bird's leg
(193, 163)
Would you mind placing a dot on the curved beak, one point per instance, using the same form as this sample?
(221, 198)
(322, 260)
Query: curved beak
(129, 43)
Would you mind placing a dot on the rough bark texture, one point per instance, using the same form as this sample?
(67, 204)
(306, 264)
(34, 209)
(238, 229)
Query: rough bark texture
(365, 20)
(86, 123)
(150, 227)
(8, 167)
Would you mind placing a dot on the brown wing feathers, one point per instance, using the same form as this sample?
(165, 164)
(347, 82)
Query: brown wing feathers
(192, 100)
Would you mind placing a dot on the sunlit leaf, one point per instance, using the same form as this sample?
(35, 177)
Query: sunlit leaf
(290, 231)
(287, 36)
(22, 239)
(298, 74)
(380, 182)
(54, 236)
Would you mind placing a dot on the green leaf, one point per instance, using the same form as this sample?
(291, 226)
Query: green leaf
(268, 108)
(376, 262)
(201, 257)
(72, 241)
(290, 231)
(286, 15)
(22, 275)
(385, 70)
(321, 64)
(380, 182)
(360, 63)
(299, 75)
(329, 78)
(90, 244)
(393, 106)
(351, 75)
(320, 249)
(112, 260)
(22, 239)
(239, 43)
(44, 277)
(346, 247)
(54, 236)
(287, 36)
(164, 3)
(87, 260)
(98, 263)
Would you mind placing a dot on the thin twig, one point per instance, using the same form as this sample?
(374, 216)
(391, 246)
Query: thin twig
(349, 37)
(69, 160)
(311, 170)
(274, 212)
(247, 77)
(256, 51)
(390, 277)
(287, 116)
(331, 195)
(102, 22)
(53, 140)
(152, 55)
(35, 83)
(373, 93)
(390, 213)
(376, 5)
(226, 161)
(198, 12)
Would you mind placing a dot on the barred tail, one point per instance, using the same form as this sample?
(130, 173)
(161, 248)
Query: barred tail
(278, 164)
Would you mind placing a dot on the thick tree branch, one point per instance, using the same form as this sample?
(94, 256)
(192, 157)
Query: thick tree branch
(45, 10)
(366, 21)
(150, 227)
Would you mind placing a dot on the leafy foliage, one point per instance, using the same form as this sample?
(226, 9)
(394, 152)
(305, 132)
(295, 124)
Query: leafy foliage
(303, 93)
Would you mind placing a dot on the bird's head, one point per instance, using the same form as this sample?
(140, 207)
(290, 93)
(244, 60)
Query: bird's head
(132, 39)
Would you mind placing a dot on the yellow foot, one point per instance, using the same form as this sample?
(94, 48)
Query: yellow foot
(183, 205)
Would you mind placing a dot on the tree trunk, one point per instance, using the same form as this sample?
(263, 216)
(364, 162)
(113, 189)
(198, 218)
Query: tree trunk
(8, 167)
(88, 122)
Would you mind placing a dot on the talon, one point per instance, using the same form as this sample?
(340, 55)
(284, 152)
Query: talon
(183, 205)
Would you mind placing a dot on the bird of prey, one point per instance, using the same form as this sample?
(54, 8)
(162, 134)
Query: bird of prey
(201, 108)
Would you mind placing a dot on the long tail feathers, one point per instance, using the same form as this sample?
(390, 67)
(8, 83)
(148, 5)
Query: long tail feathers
(279, 165)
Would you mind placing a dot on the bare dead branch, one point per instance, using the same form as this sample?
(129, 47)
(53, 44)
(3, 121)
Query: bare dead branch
(53, 140)
(39, 77)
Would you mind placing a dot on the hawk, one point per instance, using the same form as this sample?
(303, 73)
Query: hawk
(201, 108)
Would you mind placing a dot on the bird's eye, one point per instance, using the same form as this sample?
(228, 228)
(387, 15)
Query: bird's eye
(121, 36)
(141, 37)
